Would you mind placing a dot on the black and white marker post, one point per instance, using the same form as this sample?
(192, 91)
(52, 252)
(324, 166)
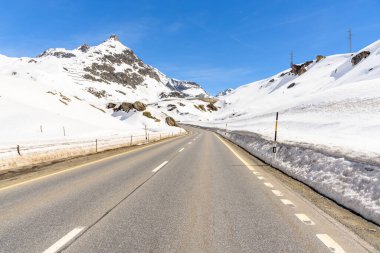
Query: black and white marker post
(275, 137)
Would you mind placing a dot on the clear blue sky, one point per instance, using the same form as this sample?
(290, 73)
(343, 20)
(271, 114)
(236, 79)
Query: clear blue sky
(219, 44)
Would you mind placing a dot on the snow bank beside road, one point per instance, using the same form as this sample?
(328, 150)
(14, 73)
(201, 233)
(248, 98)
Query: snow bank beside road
(56, 150)
(353, 184)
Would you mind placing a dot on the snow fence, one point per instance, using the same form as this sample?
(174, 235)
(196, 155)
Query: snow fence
(352, 184)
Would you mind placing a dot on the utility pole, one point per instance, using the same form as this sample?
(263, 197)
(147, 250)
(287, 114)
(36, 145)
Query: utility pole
(291, 58)
(350, 40)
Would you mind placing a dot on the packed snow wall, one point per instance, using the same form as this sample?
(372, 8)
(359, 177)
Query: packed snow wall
(352, 184)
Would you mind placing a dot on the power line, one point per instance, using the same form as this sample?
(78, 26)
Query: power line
(291, 58)
(350, 40)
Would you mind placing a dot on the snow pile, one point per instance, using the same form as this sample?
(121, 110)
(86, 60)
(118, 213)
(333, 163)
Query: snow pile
(353, 184)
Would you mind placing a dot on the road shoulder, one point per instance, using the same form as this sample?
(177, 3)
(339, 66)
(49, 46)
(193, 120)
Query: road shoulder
(367, 232)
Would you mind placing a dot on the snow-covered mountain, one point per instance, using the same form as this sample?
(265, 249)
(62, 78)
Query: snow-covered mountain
(117, 69)
(73, 88)
(225, 92)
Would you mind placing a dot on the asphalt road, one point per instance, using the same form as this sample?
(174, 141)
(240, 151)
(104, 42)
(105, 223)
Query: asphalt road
(193, 194)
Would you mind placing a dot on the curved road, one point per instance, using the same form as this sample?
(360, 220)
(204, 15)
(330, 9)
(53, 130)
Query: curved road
(196, 193)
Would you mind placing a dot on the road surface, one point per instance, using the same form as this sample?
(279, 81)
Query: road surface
(196, 193)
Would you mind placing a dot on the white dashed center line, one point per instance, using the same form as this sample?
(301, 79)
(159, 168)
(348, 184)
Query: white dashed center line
(287, 202)
(261, 178)
(256, 173)
(64, 240)
(330, 243)
(160, 166)
(269, 185)
(277, 193)
(302, 217)
(181, 150)
(190, 142)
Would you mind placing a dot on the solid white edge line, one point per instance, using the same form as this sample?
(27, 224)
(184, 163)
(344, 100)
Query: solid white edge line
(330, 243)
(302, 217)
(64, 240)
(160, 166)
(233, 151)
(181, 150)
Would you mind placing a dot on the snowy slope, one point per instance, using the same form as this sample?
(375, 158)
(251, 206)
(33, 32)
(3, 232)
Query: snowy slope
(334, 104)
(71, 89)
(329, 125)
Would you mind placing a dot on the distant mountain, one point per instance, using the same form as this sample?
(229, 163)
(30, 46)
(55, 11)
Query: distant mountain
(115, 65)
(75, 88)
(225, 92)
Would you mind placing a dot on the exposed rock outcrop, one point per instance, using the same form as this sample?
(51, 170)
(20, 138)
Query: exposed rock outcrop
(97, 93)
(175, 94)
(57, 54)
(125, 106)
(300, 69)
(170, 121)
(106, 73)
(84, 48)
(139, 106)
(212, 107)
(359, 57)
(114, 37)
(111, 105)
(320, 58)
(171, 107)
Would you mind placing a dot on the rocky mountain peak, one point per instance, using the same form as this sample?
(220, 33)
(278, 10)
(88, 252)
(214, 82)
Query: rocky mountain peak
(84, 48)
(113, 63)
(114, 37)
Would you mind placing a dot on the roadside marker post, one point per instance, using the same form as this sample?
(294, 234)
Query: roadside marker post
(275, 137)
(96, 145)
(225, 132)
(18, 150)
(131, 141)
